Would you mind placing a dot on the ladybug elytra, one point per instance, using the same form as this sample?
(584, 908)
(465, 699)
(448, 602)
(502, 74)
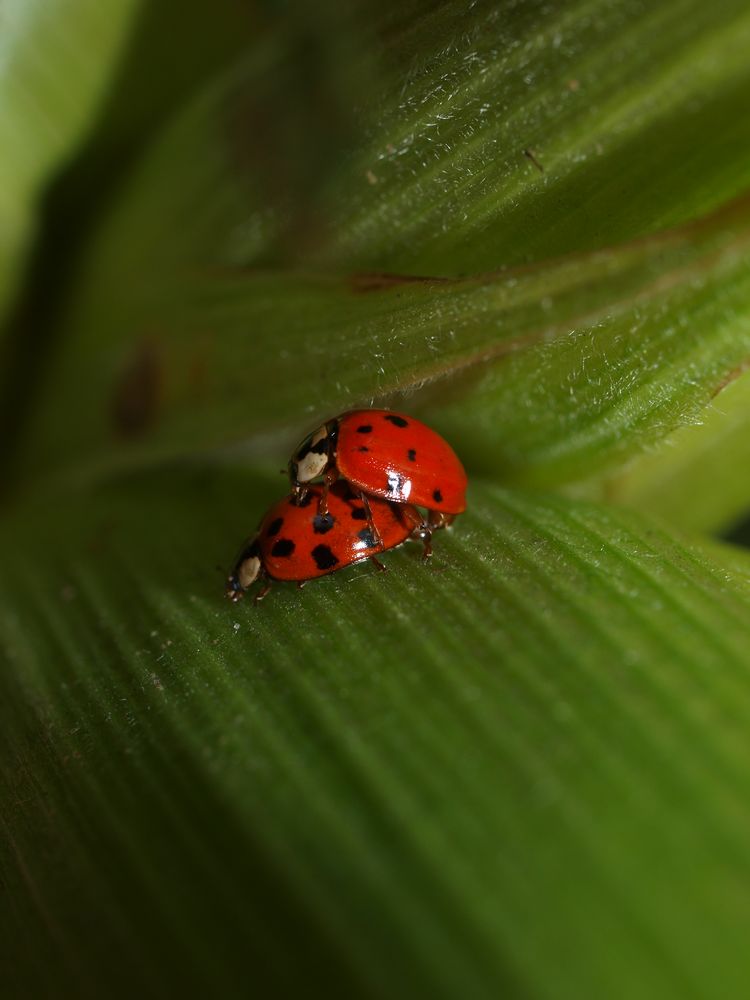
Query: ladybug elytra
(386, 455)
(296, 542)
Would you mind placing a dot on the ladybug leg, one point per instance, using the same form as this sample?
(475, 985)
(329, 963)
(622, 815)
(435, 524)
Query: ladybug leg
(262, 592)
(421, 530)
(329, 478)
(370, 523)
(381, 566)
(301, 584)
(426, 537)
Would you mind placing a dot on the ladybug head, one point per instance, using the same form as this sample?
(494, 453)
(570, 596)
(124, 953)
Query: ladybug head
(247, 568)
(314, 456)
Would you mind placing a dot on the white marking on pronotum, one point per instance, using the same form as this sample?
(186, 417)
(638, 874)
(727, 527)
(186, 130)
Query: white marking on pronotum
(248, 571)
(312, 464)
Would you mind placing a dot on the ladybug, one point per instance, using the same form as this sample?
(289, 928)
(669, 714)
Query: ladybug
(387, 455)
(296, 542)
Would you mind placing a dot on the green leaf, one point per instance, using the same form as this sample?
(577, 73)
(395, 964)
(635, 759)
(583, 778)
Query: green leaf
(612, 351)
(122, 122)
(363, 143)
(582, 361)
(519, 771)
(441, 773)
(697, 478)
(57, 59)
(609, 98)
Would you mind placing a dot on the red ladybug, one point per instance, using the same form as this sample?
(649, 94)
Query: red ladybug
(384, 454)
(296, 542)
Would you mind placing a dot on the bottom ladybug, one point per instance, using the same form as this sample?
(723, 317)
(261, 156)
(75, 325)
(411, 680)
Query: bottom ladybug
(295, 542)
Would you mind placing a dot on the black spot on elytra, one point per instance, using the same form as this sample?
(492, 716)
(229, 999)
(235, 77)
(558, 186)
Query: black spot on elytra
(412, 455)
(324, 558)
(365, 429)
(274, 527)
(437, 496)
(397, 421)
(284, 547)
(367, 537)
(363, 447)
(303, 501)
(323, 523)
(359, 514)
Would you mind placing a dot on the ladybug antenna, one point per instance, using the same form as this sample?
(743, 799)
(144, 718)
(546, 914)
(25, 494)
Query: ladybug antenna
(282, 472)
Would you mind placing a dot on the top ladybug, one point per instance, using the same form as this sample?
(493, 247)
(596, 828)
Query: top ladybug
(387, 455)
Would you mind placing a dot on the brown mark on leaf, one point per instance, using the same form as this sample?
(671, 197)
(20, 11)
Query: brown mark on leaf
(529, 154)
(198, 367)
(731, 376)
(375, 282)
(138, 391)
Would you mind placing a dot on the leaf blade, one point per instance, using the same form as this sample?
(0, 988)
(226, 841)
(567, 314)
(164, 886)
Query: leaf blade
(41, 121)
(611, 351)
(586, 702)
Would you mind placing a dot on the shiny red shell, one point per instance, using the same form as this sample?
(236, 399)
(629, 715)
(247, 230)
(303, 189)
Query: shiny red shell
(396, 457)
(297, 543)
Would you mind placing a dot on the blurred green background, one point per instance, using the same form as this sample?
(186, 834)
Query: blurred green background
(520, 771)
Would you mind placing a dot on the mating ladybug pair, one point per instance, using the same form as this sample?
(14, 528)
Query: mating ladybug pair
(375, 470)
